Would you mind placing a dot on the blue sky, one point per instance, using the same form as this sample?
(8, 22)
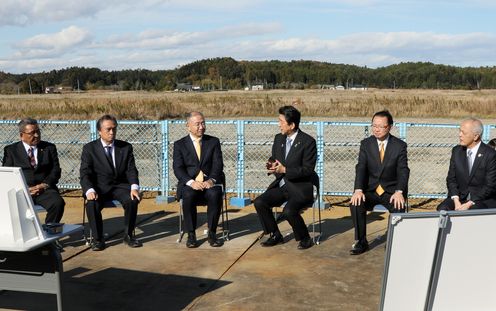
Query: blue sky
(41, 35)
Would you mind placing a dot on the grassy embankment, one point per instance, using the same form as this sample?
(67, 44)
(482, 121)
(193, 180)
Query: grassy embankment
(446, 104)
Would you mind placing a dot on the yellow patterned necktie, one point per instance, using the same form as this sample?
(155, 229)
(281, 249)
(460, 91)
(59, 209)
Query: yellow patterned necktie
(196, 142)
(379, 188)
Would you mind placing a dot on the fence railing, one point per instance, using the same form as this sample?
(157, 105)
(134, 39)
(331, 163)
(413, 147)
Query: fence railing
(246, 145)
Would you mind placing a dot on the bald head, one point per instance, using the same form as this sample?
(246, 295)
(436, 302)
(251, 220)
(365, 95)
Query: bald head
(470, 132)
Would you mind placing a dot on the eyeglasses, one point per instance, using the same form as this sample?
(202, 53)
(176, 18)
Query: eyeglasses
(32, 133)
(379, 127)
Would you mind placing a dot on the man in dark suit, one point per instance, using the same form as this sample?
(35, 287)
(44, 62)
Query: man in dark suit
(40, 164)
(472, 172)
(108, 172)
(293, 159)
(198, 166)
(381, 176)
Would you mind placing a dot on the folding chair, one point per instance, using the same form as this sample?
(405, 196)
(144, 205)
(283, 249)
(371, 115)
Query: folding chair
(381, 209)
(223, 213)
(316, 199)
(89, 240)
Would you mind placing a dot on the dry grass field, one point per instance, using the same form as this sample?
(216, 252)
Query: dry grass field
(345, 105)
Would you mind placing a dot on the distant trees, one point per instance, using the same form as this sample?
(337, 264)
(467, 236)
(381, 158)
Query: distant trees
(227, 73)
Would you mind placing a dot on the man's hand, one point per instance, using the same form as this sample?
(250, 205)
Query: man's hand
(208, 184)
(464, 206)
(357, 198)
(92, 196)
(458, 204)
(278, 168)
(398, 200)
(197, 185)
(38, 189)
(135, 194)
(34, 191)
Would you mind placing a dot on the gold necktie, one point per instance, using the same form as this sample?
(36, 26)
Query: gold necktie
(196, 142)
(379, 188)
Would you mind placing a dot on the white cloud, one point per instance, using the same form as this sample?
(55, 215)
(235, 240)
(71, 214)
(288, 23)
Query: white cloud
(163, 39)
(23, 12)
(365, 49)
(52, 45)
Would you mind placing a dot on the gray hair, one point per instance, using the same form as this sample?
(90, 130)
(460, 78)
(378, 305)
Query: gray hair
(477, 127)
(25, 122)
(191, 114)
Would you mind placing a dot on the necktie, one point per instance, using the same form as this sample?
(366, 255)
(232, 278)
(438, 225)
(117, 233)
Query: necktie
(196, 142)
(469, 161)
(108, 154)
(288, 146)
(379, 190)
(32, 160)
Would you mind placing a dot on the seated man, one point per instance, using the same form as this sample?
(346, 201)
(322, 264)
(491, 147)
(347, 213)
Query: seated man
(472, 172)
(198, 165)
(293, 159)
(108, 172)
(382, 175)
(40, 164)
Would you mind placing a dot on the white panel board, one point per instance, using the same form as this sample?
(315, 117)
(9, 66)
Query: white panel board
(410, 254)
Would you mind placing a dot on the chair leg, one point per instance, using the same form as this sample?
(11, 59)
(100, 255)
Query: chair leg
(181, 232)
(85, 237)
(225, 222)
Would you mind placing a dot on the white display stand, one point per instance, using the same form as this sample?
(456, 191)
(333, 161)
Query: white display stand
(440, 261)
(29, 261)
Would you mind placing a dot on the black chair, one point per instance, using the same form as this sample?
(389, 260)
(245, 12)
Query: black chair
(89, 240)
(224, 213)
(316, 199)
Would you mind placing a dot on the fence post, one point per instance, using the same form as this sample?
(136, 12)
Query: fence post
(165, 198)
(402, 128)
(320, 162)
(486, 134)
(239, 200)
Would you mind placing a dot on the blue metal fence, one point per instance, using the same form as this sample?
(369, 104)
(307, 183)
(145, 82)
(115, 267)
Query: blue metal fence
(246, 145)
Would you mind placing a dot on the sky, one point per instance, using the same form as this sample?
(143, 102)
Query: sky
(42, 35)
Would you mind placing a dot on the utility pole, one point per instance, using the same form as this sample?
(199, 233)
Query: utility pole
(30, 89)
(221, 83)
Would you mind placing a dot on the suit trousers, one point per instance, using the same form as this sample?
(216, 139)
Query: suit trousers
(94, 211)
(51, 200)
(211, 197)
(291, 211)
(359, 212)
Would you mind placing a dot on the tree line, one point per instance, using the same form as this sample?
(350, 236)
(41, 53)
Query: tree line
(229, 74)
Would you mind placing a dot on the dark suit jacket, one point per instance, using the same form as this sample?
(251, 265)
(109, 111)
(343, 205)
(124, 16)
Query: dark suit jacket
(482, 181)
(186, 164)
(96, 172)
(300, 165)
(48, 169)
(392, 174)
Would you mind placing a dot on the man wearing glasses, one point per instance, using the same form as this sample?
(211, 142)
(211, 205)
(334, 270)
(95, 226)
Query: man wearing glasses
(40, 164)
(381, 176)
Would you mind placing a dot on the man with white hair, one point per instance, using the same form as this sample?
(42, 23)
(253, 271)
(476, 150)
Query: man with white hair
(472, 172)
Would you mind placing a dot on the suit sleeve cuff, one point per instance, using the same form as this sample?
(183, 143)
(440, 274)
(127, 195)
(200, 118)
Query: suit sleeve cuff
(135, 187)
(190, 182)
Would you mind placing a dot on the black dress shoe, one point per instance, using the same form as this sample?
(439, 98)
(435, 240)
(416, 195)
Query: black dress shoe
(98, 245)
(273, 240)
(305, 243)
(359, 248)
(213, 241)
(131, 242)
(192, 242)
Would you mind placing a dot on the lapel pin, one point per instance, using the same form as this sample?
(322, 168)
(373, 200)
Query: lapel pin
(479, 155)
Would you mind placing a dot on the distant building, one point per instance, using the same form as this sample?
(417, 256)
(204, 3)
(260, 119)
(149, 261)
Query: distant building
(358, 87)
(257, 87)
(183, 87)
